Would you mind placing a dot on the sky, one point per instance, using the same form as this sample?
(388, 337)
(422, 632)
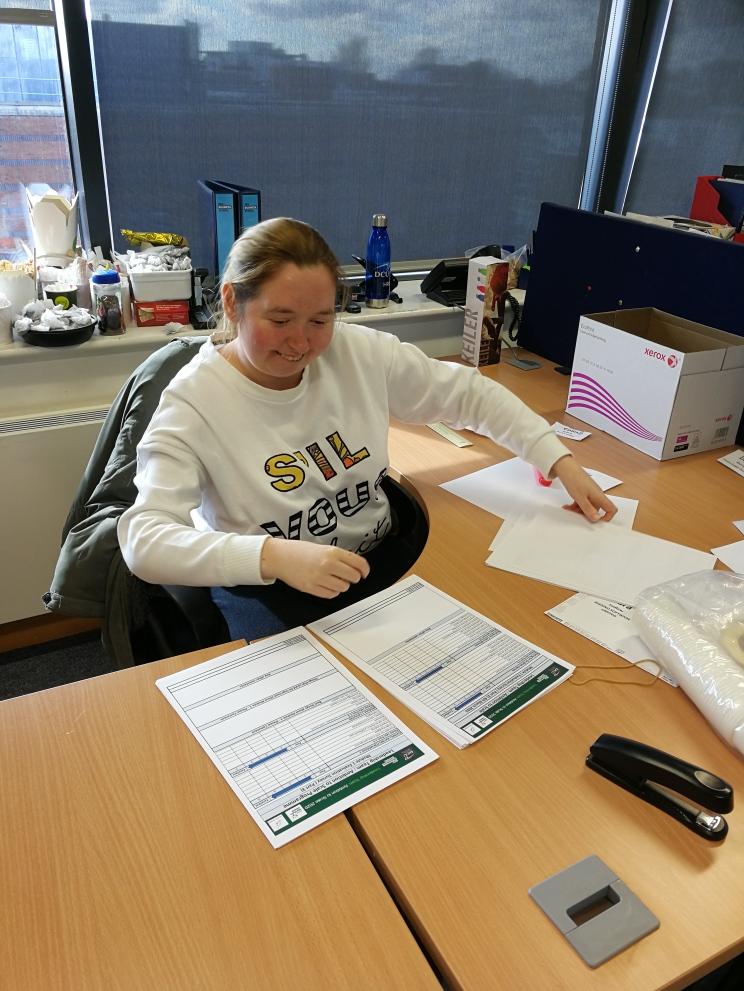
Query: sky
(501, 31)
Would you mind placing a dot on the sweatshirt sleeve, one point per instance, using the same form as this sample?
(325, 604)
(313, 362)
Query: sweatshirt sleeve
(158, 540)
(423, 389)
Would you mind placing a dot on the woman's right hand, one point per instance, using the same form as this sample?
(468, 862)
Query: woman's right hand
(313, 568)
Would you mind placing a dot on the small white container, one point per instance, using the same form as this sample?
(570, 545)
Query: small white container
(126, 298)
(149, 287)
(19, 288)
(6, 314)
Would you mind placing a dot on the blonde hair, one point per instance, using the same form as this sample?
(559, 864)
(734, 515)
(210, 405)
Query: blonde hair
(260, 252)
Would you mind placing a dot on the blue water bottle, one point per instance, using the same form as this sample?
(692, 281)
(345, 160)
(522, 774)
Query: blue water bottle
(378, 263)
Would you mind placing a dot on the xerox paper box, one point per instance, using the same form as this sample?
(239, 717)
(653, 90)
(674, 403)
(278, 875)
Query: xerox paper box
(484, 310)
(664, 385)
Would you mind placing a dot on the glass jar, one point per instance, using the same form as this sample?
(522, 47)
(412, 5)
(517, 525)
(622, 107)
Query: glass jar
(106, 297)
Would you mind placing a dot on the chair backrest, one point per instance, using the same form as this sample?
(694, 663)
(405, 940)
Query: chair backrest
(109, 475)
(90, 578)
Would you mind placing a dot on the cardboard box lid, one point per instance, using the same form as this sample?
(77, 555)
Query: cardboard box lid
(734, 346)
(702, 349)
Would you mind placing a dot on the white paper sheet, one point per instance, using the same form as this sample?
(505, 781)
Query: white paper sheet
(600, 559)
(732, 555)
(509, 489)
(734, 461)
(624, 517)
(296, 736)
(570, 433)
(739, 524)
(609, 624)
(458, 670)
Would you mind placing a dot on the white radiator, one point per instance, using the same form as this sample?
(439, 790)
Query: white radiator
(42, 460)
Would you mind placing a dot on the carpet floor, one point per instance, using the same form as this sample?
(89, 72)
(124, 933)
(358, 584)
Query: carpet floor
(32, 669)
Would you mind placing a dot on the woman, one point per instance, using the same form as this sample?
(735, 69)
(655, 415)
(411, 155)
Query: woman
(276, 433)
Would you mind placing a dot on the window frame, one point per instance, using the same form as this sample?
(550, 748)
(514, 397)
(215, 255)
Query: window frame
(75, 52)
(634, 39)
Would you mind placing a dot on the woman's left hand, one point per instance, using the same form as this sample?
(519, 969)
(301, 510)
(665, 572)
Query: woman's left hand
(588, 497)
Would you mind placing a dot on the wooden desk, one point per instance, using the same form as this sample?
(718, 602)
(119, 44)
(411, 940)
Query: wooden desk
(462, 842)
(125, 862)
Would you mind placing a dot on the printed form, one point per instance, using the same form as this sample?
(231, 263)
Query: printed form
(296, 736)
(455, 668)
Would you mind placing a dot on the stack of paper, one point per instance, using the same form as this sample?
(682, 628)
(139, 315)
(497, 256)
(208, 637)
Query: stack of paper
(296, 736)
(602, 559)
(455, 668)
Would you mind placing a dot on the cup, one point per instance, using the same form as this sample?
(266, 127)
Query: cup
(62, 294)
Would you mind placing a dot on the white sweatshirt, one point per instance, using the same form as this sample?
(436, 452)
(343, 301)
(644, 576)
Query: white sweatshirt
(304, 463)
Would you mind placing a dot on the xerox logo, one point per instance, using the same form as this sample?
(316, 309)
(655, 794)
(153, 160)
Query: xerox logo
(671, 359)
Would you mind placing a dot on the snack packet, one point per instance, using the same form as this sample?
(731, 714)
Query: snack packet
(152, 237)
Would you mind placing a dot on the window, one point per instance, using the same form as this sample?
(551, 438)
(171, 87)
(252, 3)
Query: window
(33, 132)
(695, 122)
(457, 120)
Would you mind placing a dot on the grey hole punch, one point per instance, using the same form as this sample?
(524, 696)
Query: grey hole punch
(597, 912)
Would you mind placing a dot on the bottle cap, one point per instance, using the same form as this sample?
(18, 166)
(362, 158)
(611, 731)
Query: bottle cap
(105, 276)
(379, 220)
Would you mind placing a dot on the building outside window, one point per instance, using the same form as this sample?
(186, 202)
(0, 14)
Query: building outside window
(33, 132)
(457, 120)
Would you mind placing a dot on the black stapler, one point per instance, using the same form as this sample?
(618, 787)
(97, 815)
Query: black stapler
(661, 779)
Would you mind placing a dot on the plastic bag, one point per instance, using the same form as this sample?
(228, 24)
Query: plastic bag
(516, 260)
(165, 258)
(695, 628)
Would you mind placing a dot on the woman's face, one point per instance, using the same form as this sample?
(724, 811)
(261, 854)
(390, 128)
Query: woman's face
(286, 326)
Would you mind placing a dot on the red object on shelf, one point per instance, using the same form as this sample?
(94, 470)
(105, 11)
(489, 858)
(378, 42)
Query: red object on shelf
(705, 205)
(157, 314)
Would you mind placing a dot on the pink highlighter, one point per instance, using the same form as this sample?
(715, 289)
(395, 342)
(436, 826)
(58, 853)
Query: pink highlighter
(541, 479)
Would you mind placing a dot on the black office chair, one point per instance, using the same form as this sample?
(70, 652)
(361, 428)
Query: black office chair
(143, 622)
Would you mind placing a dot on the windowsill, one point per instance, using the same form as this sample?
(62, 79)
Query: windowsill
(40, 382)
(133, 339)
(414, 308)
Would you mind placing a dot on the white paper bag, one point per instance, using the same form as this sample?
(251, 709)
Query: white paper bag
(54, 226)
